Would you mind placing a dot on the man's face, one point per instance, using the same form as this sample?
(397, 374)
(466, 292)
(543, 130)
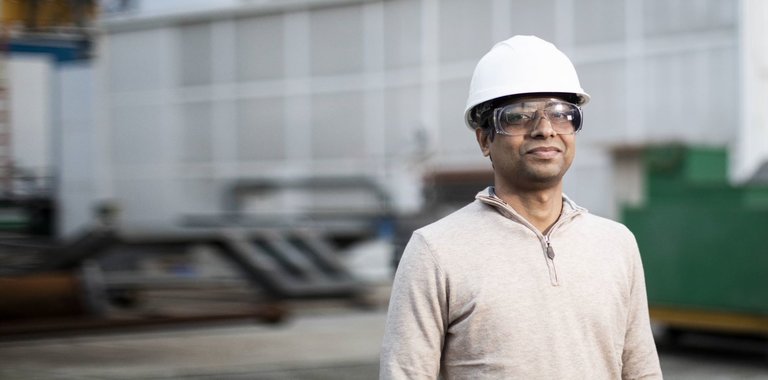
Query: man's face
(535, 160)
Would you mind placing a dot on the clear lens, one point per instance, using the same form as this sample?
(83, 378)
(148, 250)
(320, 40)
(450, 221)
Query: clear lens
(520, 118)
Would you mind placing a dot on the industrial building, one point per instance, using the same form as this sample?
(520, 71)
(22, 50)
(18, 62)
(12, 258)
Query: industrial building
(179, 102)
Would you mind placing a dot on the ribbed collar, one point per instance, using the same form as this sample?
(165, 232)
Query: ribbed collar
(570, 208)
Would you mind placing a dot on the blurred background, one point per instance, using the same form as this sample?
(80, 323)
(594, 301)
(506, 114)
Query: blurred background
(222, 189)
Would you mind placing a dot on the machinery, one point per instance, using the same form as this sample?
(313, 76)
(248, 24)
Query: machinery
(229, 265)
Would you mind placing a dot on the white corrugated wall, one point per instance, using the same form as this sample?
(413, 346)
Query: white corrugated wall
(194, 101)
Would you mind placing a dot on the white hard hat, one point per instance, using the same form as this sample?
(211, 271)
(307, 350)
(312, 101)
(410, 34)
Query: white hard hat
(522, 65)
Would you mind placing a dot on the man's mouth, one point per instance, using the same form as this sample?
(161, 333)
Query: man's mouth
(544, 151)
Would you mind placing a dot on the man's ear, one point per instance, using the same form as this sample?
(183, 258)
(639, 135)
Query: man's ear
(484, 141)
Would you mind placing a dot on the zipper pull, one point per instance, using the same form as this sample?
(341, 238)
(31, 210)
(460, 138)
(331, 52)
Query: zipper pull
(550, 251)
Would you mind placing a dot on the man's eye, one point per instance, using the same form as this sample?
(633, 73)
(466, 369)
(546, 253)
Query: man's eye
(516, 117)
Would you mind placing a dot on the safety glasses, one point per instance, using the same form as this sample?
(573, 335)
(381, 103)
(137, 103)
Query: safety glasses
(520, 118)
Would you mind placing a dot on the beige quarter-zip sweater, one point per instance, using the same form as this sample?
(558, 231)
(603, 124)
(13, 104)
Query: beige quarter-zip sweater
(481, 294)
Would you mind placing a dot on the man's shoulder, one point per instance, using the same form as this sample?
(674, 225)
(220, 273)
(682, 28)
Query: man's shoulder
(462, 220)
(595, 223)
(605, 226)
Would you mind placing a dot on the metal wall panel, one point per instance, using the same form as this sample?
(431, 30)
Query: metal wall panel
(682, 101)
(336, 126)
(80, 161)
(336, 40)
(140, 136)
(404, 133)
(605, 116)
(589, 181)
(454, 137)
(149, 204)
(30, 109)
(195, 55)
(599, 21)
(464, 31)
(666, 17)
(531, 17)
(261, 129)
(196, 132)
(139, 60)
(260, 48)
(402, 29)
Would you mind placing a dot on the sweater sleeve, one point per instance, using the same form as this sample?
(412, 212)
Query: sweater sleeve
(640, 359)
(417, 316)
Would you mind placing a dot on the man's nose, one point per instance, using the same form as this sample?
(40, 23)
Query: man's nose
(542, 127)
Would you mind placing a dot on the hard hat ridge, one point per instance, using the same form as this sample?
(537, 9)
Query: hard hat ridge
(522, 65)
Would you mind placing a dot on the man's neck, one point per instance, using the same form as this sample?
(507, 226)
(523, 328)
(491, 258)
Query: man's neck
(541, 208)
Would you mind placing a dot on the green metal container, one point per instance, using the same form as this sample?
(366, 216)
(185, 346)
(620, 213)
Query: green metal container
(702, 241)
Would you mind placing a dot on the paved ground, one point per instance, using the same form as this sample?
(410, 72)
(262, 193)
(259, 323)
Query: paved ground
(333, 343)
(711, 357)
(303, 347)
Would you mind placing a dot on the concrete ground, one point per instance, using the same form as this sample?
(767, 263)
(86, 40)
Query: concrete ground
(322, 346)
(315, 343)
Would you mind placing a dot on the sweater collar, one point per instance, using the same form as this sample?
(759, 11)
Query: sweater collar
(488, 196)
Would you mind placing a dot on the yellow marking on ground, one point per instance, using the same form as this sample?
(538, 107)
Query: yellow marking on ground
(711, 320)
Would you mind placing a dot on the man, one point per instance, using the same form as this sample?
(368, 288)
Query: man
(522, 283)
